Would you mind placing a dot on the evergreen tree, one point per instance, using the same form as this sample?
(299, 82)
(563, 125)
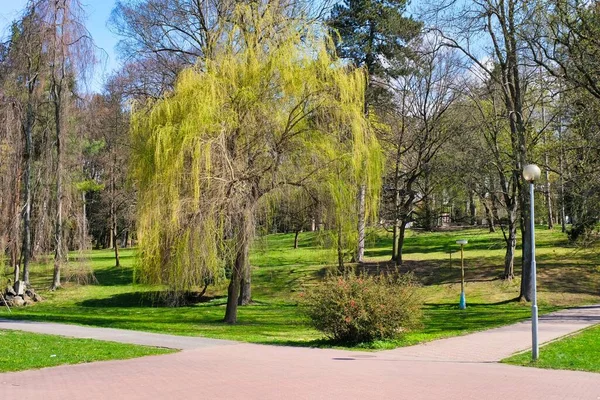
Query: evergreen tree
(373, 34)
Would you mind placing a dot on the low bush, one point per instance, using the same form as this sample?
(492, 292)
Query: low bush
(356, 309)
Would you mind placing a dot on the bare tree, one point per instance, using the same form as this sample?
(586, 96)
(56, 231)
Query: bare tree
(490, 34)
(70, 52)
(162, 37)
(419, 129)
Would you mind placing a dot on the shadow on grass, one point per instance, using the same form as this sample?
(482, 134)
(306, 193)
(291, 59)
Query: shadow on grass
(102, 257)
(444, 317)
(154, 299)
(570, 278)
(437, 272)
(114, 276)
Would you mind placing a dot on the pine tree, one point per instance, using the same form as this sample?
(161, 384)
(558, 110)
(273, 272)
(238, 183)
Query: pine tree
(373, 34)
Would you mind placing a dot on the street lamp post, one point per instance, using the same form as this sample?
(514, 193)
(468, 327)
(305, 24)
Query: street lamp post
(532, 172)
(463, 300)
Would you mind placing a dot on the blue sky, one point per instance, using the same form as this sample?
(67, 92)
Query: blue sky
(98, 12)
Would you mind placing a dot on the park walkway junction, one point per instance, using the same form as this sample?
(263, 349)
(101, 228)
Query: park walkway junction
(464, 367)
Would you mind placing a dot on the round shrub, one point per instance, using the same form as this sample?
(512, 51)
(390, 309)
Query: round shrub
(356, 309)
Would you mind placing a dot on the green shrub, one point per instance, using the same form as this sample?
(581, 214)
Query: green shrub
(356, 309)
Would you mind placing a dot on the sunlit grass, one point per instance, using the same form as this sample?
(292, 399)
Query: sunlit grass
(578, 352)
(22, 351)
(567, 276)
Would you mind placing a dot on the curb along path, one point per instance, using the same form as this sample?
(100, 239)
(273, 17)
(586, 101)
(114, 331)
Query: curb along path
(114, 335)
(495, 344)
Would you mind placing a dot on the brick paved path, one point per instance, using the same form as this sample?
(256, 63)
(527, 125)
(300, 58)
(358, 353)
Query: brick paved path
(496, 344)
(456, 368)
(113, 335)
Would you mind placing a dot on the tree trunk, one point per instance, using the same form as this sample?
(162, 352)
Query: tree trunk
(40, 227)
(526, 283)
(113, 217)
(242, 237)
(58, 232)
(82, 245)
(360, 251)
(511, 244)
(400, 244)
(116, 247)
(296, 239)
(340, 248)
(125, 241)
(16, 234)
(489, 216)
(233, 293)
(547, 192)
(428, 218)
(427, 223)
(394, 241)
(26, 251)
(548, 196)
(245, 297)
(397, 203)
(472, 209)
(562, 179)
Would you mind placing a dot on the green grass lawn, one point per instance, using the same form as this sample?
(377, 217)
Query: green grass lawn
(22, 351)
(567, 276)
(579, 352)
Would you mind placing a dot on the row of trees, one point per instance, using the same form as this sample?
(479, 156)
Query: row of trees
(60, 146)
(285, 114)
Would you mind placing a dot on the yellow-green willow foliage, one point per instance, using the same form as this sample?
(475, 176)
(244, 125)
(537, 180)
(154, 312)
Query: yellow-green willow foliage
(270, 107)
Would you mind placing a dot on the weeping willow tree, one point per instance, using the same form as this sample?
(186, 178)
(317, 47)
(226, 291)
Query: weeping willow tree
(270, 107)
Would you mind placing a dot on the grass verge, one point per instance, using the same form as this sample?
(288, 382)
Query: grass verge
(23, 351)
(580, 352)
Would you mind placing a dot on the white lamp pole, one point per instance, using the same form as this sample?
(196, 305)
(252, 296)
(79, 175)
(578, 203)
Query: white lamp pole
(532, 172)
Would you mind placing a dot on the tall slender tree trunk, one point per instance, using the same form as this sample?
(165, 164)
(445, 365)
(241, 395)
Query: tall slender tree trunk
(472, 209)
(394, 241)
(526, 282)
(82, 245)
(547, 194)
(58, 231)
(428, 222)
(41, 224)
(489, 216)
(340, 248)
(547, 189)
(245, 296)
(297, 233)
(517, 126)
(563, 222)
(511, 244)
(16, 218)
(26, 251)
(397, 171)
(548, 197)
(362, 204)
(113, 217)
